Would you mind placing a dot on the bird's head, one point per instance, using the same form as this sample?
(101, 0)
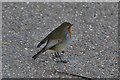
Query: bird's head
(67, 26)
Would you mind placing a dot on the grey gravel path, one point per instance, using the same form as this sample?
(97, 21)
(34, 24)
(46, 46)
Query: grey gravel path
(94, 53)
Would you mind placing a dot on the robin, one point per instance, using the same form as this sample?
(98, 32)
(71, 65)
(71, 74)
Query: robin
(57, 40)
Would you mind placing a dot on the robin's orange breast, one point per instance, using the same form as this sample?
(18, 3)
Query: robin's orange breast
(69, 30)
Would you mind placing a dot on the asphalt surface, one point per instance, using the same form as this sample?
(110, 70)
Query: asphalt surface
(93, 55)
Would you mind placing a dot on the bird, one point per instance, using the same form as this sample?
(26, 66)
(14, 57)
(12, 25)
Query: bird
(57, 40)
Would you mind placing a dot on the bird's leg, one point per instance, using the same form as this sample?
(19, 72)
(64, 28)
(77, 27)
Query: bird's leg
(57, 54)
(61, 58)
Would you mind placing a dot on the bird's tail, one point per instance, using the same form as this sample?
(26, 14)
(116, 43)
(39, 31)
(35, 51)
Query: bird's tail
(41, 51)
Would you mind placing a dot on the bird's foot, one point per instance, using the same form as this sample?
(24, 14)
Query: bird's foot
(55, 56)
(63, 61)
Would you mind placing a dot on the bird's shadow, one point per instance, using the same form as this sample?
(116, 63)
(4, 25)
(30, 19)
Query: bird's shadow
(71, 74)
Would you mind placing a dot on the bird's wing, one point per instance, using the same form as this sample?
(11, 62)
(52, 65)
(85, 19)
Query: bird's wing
(46, 38)
(52, 43)
(43, 41)
(53, 35)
